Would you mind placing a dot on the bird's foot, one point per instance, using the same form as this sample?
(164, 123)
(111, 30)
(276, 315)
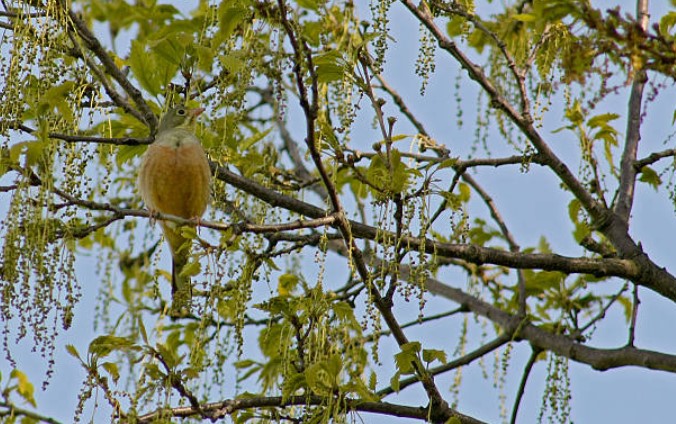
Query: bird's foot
(196, 221)
(153, 216)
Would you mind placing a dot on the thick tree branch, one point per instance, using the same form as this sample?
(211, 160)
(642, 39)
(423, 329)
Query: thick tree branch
(218, 410)
(605, 220)
(599, 359)
(623, 268)
(601, 267)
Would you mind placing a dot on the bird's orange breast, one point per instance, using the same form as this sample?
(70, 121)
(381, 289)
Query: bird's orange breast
(175, 179)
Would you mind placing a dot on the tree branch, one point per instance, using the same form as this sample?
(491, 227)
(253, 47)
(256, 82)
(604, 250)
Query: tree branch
(459, 362)
(14, 411)
(628, 171)
(217, 410)
(522, 386)
(92, 43)
(599, 359)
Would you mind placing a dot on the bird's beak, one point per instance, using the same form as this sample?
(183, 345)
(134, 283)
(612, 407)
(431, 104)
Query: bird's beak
(196, 112)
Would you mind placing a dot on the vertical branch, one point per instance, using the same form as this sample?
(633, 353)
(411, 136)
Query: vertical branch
(522, 386)
(636, 301)
(628, 171)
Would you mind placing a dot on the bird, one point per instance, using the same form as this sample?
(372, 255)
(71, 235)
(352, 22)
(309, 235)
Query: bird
(174, 178)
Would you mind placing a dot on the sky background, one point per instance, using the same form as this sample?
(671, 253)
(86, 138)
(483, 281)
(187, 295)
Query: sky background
(624, 395)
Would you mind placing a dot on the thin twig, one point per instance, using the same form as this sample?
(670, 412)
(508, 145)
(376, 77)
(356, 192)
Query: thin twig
(636, 301)
(524, 379)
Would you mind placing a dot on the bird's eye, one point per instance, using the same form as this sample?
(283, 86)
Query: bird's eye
(181, 112)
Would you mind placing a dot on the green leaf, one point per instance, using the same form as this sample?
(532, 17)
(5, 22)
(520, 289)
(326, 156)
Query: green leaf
(191, 268)
(456, 26)
(581, 231)
(323, 377)
(169, 353)
(448, 163)
(127, 153)
(245, 363)
(274, 340)
(32, 151)
(465, 192)
(394, 382)
(405, 359)
(230, 15)
(330, 66)
(574, 209)
(287, 283)
(248, 142)
(574, 113)
(541, 281)
(231, 63)
(309, 4)
(312, 32)
(524, 17)
(153, 371)
(24, 386)
(602, 120)
(399, 174)
(112, 370)
(103, 345)
(154, 66)
(627, 306)
(72, 350)
(411, 347)
(56, 96)
(667, 22)
(431, 355)
(142, 330)
(648, 175)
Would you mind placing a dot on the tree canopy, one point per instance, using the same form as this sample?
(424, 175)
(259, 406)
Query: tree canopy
(364, 155)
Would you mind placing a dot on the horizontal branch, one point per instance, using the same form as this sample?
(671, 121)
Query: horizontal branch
(654, 157)
(599, 267)
(597, 358)
(124, 141)
(217, 410)
(238, 228)
(13, 412)
(459, 164)
(629, 269)
(456, 363)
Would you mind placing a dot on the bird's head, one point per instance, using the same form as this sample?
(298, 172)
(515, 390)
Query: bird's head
(179, 117)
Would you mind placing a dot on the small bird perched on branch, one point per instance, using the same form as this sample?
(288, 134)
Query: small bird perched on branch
(175, 179)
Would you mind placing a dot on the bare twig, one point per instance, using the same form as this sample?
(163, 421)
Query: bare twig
(654, 157)
(522, 386)
(459, 362)
(636, 301)
(14, 411)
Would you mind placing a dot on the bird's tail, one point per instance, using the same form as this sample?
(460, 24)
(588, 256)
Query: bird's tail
(181, 287)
